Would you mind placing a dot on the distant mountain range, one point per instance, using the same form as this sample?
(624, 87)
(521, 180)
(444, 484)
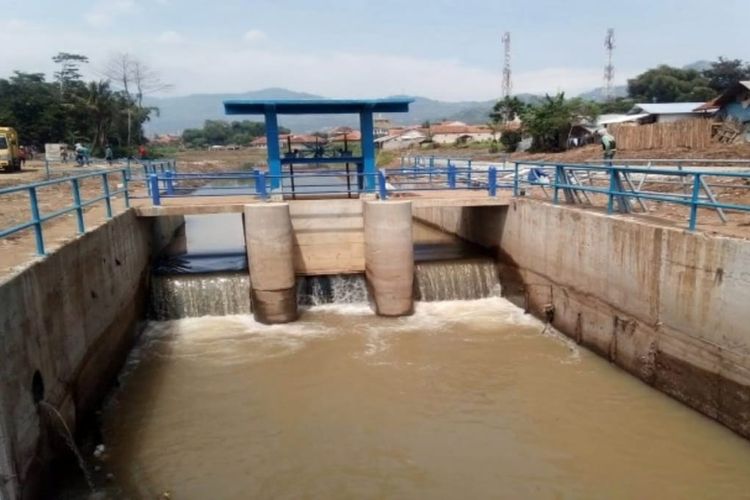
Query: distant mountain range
(178, 113)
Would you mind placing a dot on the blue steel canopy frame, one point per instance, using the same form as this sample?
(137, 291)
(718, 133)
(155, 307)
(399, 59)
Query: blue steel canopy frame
(365, 108)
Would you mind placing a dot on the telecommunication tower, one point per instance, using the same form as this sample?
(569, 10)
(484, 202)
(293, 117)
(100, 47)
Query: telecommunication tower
(507, 83)
(609, 68)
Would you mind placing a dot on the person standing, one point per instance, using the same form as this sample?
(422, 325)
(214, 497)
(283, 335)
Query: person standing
(608, 145)
(22, 156)
(108, 155)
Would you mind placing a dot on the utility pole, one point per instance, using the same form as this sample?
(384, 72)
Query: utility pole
(609, 68)
(507, 83)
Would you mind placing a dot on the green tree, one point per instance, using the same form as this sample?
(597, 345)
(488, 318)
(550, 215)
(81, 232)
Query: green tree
(550, 121)
(619, 105)
(69, 69)
(726, 72)
(507, 110)
(219, 132)
(668, 84)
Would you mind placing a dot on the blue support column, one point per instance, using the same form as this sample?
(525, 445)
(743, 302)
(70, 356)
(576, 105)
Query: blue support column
(492, 181)
(77, 203)
(37, 219)
(153, 181)
(368, 148)
(382, 187)
(126, 189)
(694, 201)
(272, 141)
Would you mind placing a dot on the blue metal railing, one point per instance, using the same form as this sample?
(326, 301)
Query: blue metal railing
(79, 203)
(432, 174)
(614, 179)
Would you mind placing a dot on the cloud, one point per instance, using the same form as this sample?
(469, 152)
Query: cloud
(104, 12)
(254, 35)
(222, 65)
(170, 37)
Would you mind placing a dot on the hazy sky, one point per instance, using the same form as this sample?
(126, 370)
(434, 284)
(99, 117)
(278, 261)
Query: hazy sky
(445, 49)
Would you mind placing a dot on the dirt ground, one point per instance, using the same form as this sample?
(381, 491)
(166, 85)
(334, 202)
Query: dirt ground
(19, 248)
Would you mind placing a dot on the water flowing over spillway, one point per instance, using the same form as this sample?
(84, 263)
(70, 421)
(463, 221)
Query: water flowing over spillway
(467, 279)
(340, 289)
(221, 294)
(192, 295)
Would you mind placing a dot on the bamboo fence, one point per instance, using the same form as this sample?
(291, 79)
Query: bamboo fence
(692, 134)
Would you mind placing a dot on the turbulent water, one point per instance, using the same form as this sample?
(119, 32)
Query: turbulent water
(465, 399)
(456, 280)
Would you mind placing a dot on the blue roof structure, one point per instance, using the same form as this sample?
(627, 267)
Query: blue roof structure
(365, 108)
(315, 106)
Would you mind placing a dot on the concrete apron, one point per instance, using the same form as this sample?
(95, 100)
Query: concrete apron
(666, 305)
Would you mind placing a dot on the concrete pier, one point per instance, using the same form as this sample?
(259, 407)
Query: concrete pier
(269, 239)
(389, 256)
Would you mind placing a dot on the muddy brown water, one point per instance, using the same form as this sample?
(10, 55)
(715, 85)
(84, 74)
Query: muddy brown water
(465, 399)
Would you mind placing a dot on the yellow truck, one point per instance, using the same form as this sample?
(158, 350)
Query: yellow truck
(10, 160)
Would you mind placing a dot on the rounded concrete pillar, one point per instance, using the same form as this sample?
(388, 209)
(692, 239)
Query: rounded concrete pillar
(389, 256)
(269, 240)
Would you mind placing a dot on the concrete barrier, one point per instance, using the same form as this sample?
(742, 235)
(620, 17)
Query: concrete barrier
(67, 322)
(667, 305)
(389, 256)
(269, 240)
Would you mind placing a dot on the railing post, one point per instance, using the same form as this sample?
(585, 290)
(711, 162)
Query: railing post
(515, 179)
(468, 177)
(451, 176)
(694, 201)
(612, 188)
(107, 199)
(492, 181)
(169, 181)
(262, 185)
(153, 181)
(77, 202)
(37, 221)
(555, 195)
(382, 188)
(125, 187)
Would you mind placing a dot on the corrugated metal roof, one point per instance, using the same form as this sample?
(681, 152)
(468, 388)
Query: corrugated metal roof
(665, 108)
(726, 97)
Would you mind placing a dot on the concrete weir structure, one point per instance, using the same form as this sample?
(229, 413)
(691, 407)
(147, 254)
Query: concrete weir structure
(269, 240)
(667, 305)
(389, 256)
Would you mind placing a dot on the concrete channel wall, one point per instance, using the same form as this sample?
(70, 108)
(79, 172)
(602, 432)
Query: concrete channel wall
(66, 324)
(669, 306)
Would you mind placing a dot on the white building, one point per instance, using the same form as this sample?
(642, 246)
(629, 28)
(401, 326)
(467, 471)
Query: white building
(668, 112)
(461, 133)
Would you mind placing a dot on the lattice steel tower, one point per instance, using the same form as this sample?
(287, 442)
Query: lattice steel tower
(507, 83)
(609, 69)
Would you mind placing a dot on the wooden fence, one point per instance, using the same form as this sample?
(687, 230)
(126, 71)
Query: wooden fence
(691, 133)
